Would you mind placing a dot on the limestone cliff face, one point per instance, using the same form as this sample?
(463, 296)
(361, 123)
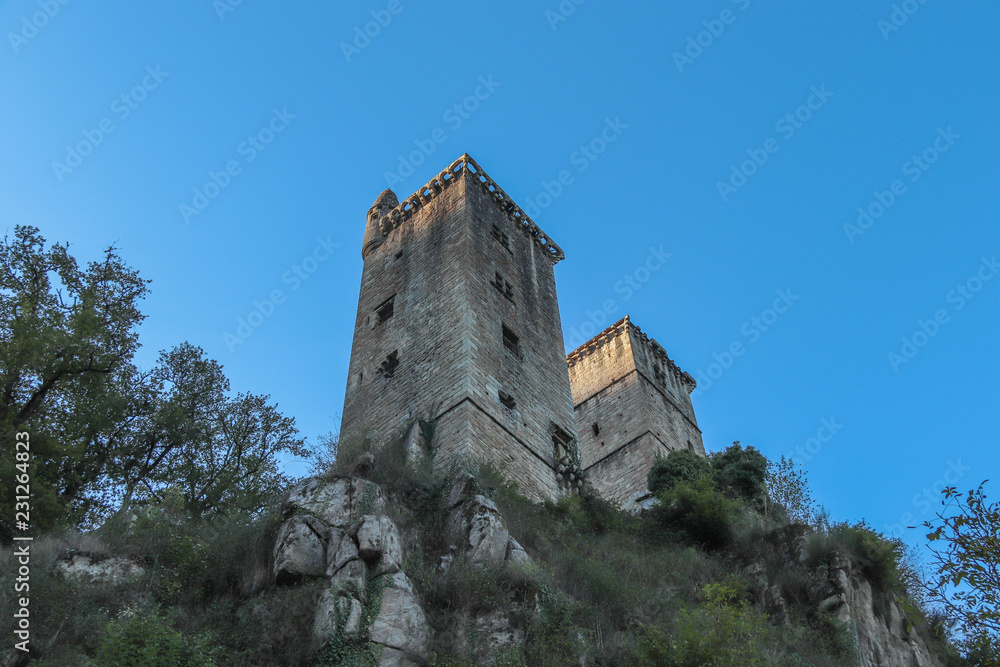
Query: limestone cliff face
(342, 531)
(339, 530)
(876, 626)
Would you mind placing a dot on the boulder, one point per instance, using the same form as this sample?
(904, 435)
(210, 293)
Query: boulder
(378, 542)
(351, 580)
(516, 553)
(337, 502)
(300, 550)
(332, 606)
(330, 500)
(345, 552)
(487, 535)
(400, 626)
(462, 488)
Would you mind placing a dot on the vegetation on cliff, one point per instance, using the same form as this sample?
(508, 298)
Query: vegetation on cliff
(158, 494)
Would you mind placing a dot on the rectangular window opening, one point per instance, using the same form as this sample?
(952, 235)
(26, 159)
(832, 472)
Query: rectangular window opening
(506, 399)
(503, 286)
(595, 428)
(501, 236)
(511, 341)
(386, 309)
(388, 366)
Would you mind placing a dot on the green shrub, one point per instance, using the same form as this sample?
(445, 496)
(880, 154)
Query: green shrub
(879, 557)
(741, 474)
(701, 511)
(678, 466)
(553, 638)
(146, 639)
(722, 631)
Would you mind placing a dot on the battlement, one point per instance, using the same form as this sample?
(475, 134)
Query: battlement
(466, 166)
(621, 327)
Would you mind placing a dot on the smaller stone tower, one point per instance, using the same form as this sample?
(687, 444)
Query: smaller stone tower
(632, 404)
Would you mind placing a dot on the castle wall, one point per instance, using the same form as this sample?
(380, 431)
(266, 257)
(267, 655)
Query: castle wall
(632, 404)
(451, 315)
(621, 477)
(415, 263)
(468, 433)
(535, 376)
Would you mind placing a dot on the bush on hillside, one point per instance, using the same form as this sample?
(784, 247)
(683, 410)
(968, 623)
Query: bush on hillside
(741, 473)
(700, 511)
(679, 466)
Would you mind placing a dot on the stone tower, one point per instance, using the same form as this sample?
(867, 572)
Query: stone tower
(632, 405)
(458, 323)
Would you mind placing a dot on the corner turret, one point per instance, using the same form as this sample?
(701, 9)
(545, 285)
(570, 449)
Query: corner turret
(373, 235)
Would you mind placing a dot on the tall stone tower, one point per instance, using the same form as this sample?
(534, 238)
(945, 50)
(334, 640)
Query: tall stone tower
(632, 405)
(458, 323)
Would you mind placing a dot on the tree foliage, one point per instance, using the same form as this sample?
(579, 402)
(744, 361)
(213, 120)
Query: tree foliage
(218, 454)
(788, 487)
(741, 473)
(965, 542)
(679, 466)
(68, 337)
(104, 434)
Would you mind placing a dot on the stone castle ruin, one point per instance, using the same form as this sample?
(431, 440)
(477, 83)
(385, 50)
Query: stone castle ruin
(458, 325)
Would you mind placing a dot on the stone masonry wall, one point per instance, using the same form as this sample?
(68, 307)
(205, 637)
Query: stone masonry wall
(450, 313)
(414, 264)
(632, 404)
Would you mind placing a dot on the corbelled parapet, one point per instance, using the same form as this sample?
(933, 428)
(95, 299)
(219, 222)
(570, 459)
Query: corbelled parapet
(466, 166)
(619, 328)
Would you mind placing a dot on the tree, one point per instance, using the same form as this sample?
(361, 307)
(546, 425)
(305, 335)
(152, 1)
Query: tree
(680, 465)
(219, 454)
(68, 337)
(104, 434)
(787, 487)
(741, 473)
(965, 542)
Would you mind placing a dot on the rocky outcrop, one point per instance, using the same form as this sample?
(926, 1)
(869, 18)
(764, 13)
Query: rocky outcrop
(337, 529)
(476, 526)
(877, 627)
(87, 567)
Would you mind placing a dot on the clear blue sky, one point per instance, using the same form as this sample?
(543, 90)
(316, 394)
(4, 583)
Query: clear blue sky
(328, 122)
